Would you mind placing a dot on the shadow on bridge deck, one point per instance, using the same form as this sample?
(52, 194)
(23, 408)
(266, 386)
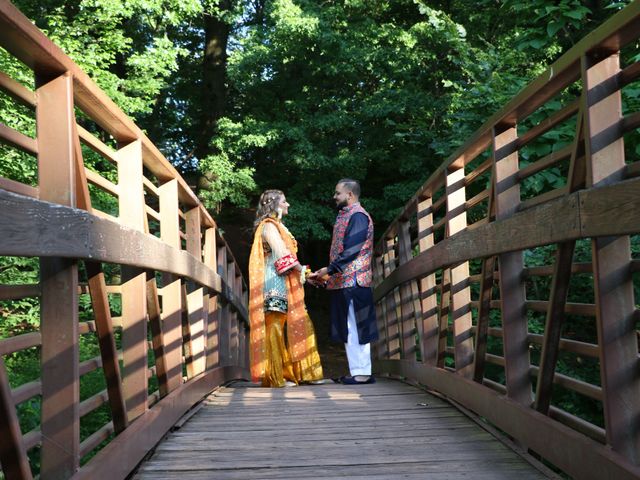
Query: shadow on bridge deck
(386, 430)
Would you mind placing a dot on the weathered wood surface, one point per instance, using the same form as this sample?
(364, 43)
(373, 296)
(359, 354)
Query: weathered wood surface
(387, 430)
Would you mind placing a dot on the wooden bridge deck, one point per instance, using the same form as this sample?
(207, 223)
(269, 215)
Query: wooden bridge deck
(387, 430)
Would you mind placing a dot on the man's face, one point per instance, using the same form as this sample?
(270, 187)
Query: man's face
(342, 196)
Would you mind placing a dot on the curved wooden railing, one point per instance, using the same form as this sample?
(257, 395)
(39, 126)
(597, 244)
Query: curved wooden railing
(124, 229)
(454, 289)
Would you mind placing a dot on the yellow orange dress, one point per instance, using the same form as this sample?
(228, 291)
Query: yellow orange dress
(282, 340)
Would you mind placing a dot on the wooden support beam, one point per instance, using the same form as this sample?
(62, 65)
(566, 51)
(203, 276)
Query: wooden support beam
(443, 315)
(211, 303)
(134, 282)
(171, 288)
(224, 310)
(157, 333)
(59, 280)
(393, 330)
(407, 294)
(512, 288)
(460, 292)
(429, 298)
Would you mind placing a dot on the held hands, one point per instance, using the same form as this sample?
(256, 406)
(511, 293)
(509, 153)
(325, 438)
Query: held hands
(318, 278)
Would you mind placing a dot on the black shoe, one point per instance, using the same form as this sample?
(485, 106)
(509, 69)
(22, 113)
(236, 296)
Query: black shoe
(352, 380)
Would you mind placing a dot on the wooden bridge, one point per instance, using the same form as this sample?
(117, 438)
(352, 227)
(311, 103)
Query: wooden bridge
(112, 223)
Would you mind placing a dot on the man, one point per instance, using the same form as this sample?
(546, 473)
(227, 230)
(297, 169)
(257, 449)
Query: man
(348, 278)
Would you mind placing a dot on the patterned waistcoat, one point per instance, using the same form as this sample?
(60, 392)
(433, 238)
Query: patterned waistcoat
(357, 272)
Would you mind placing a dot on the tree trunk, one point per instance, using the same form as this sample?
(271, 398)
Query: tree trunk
(214, 68)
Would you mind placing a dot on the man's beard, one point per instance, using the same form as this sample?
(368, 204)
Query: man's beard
(342, 204)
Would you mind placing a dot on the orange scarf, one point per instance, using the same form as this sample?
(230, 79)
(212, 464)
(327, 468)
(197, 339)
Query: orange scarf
(296, 313)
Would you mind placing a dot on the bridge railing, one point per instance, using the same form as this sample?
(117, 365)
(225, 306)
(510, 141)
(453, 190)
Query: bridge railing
(476, 278)
(130, 262)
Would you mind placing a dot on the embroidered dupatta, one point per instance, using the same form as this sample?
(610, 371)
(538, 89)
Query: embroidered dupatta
(296, 314)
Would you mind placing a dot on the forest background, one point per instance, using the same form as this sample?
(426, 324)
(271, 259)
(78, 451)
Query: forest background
(245, 95)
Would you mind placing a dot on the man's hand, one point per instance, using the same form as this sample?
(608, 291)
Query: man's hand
(319, 277)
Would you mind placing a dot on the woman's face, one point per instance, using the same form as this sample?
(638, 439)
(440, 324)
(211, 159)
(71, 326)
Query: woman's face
(283, 205)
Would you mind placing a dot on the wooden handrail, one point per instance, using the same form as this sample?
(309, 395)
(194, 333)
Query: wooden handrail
(598, 203)
(59, 223)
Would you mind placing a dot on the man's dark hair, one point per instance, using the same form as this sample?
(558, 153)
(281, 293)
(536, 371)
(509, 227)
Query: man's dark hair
(352, 185)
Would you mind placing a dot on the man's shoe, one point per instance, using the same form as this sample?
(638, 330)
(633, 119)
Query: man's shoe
(353, 381)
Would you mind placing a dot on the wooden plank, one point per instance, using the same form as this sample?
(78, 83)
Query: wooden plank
(389, 430)
(233, 317)
(429, 299)
(381, 346)
(134, 282)
(407, 292)
(573, 452)
(18, 187)
(17, 91)
(172, 289)
(393, 330)
(19, 342)
(443, 315)
(615, 305)
(60, 423)
(97, 145)
(17, 292)
(224, 310)
(512, 288)
(194, 233)
(460, 292)
(108, 350)
(13, 455)
(482, 329)
(157, 333)
(18, 140)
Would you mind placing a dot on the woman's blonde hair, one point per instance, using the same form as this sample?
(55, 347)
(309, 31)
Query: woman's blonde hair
(268, 205)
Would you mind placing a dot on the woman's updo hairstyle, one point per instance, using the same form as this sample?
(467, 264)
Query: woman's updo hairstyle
(268, 205)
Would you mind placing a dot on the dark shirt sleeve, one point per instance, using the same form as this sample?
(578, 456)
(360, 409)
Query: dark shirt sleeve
(354, 238)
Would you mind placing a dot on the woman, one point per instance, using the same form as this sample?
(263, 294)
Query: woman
(277, 302)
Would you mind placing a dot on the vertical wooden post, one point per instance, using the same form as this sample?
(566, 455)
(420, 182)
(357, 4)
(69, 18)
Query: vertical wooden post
(134, 282)
(171, 288)
(512, 288)
(611, 259)
(445, 305)
(213, 312)
(485, 295)
(195, 298)
(381, 346)
(460, 292)
(157, 338)
(429, 299)
(59, 285)
(393, 332)
(223, 307)
(407, 305)
(239, 323)
(13, 456)
(233, 318)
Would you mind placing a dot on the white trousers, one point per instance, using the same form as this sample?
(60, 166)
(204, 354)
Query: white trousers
(358, 356)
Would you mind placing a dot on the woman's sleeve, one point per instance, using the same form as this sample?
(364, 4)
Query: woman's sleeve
(285, 260)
